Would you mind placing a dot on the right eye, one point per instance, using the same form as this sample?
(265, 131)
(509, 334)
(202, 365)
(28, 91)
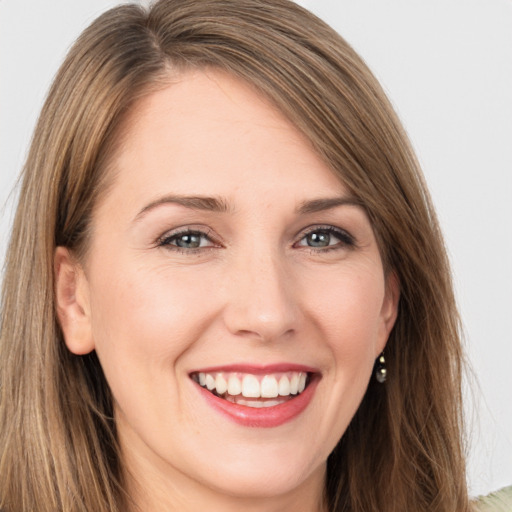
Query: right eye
(184, 240)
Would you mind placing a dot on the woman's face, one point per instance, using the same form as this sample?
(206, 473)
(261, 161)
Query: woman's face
(227, 254)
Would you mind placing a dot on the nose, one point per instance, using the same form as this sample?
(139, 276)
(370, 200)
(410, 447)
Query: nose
(261, 299)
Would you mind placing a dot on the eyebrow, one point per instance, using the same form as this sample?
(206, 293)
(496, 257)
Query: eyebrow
(319, 205)
(220, 205)
(211, 204)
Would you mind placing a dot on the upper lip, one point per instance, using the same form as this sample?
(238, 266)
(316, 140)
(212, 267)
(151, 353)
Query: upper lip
(256, 369)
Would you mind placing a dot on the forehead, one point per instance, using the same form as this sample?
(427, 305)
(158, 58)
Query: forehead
(212, 134)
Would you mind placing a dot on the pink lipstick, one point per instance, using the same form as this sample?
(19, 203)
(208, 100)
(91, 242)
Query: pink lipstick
(258, 396)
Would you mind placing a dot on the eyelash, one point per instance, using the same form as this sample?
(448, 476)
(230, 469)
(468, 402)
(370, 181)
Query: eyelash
(345, 240)
(167, 239)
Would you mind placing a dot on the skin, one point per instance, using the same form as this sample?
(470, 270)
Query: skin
(254, 292)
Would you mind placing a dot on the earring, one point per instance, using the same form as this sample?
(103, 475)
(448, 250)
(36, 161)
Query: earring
(381, 374)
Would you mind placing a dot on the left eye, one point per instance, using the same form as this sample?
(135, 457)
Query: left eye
(187, 240)
(320, 238)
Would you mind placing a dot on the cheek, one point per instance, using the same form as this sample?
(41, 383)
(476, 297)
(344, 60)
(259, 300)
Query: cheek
(144, 319)
(349, 320)
(346, 317)
(349, 311)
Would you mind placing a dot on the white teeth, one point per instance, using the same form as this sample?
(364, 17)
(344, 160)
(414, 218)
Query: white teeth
(221, 385)
(302, 382)
(269, 387)
(233, 384)
(271, 403)
(251, 387)
(294, 384)
(254, 403)
(284, 386)
(210, 382)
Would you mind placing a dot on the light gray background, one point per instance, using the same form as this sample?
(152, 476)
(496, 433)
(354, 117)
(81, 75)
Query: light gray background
(447, 67)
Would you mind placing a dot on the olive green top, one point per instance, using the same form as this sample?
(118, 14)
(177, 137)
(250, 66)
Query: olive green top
(500, 501)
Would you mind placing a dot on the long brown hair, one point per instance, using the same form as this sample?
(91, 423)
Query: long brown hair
(403, 449)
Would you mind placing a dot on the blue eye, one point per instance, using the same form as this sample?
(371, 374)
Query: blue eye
(319, 239)
(326, 237)
(186, 240)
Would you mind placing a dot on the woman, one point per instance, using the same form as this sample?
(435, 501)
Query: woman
(221, 227)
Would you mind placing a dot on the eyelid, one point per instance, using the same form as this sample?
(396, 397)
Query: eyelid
(346, 239)
(162, 241)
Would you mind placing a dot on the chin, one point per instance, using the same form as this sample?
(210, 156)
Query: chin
(264, 478)
(261, 484)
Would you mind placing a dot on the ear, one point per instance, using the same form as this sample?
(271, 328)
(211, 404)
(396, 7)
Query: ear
(72, 302)
(389, 311)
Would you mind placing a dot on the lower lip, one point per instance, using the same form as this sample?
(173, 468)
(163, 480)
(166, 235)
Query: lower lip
(264, 417)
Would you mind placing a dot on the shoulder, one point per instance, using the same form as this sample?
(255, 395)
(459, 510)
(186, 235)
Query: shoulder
(500, 501)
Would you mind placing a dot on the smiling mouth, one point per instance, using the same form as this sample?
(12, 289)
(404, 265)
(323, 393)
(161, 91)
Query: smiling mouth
(252, 390)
